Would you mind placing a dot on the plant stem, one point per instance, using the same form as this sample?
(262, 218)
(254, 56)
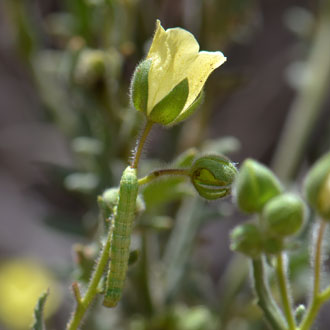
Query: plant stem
(325, 294)
(265, 299)
(318, 298)
(84, 303)
(284, 290)
(140, 144)
(156, 174)
(318, 259)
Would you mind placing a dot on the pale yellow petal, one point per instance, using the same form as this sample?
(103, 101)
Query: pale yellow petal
(175, 56)
(171, 52)
(199, 71)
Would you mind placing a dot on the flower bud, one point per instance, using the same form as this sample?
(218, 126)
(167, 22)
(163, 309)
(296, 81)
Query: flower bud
(299, 313)
(317, 187)
(108, 201)
(283, 215)
(246, 239)
(212, 176)
(255, 186)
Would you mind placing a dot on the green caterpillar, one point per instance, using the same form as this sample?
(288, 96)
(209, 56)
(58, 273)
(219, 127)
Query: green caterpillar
(121, 237)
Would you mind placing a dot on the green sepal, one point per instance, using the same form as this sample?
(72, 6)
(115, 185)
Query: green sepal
(38, 323)
(212, 176)
(191, 109)
(317, 187)
(212, 194)
(168, 109)
(255, 186)
(139, 86)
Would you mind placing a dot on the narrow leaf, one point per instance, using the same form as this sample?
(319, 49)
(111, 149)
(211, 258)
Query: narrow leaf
(38, 323)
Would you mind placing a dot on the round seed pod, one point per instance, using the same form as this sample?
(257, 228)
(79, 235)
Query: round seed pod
(317, 187)
(255, 185)
(283, 215)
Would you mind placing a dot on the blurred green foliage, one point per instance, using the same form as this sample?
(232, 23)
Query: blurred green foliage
(81, 55)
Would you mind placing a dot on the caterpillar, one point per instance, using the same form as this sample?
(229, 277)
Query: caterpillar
(121, 237)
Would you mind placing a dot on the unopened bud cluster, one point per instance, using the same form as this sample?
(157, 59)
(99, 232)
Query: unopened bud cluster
(258, 191)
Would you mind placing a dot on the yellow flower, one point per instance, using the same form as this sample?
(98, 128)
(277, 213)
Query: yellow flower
(21, 284)
(167, 86)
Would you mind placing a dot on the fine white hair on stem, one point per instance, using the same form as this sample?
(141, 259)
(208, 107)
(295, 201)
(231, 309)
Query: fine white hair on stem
(145, 145)
(312, 252)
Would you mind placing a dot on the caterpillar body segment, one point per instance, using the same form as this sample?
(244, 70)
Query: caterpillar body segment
(121, 237)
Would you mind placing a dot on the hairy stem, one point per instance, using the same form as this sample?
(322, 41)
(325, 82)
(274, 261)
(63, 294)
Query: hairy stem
(156, 174)
(83, 303)
(265, 300)
(284, 291)
(318, 258)
(318, 298)
(140, 144)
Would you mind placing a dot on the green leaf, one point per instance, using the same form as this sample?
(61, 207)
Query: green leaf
(38, 323)
(139, 87)
(168, 109)
(165, 190)
(185, 159)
